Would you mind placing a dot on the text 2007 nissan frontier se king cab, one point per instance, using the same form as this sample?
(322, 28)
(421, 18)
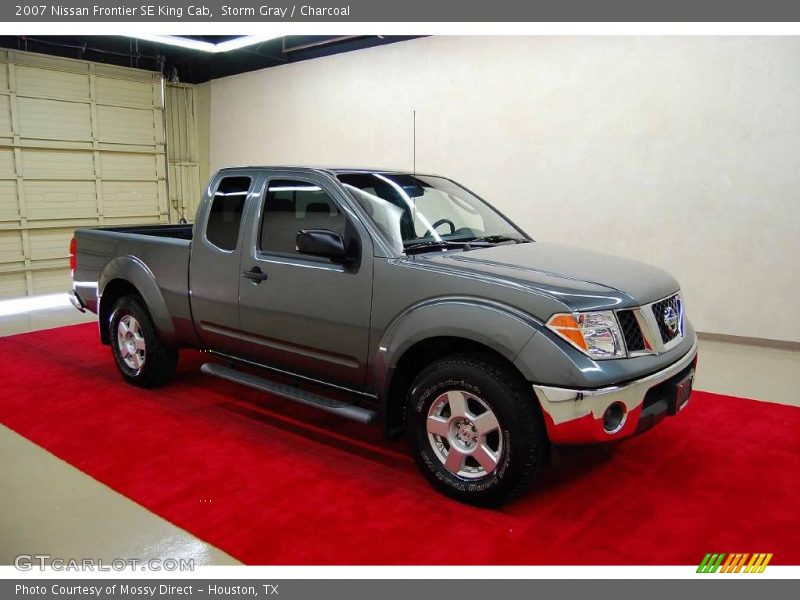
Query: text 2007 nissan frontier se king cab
(402, 299)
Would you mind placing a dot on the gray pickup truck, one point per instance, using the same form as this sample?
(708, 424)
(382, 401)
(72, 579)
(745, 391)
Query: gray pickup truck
(402, 299)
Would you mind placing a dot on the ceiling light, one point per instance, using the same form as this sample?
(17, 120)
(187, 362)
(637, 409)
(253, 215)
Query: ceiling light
(173, 40)
(226, 46)
(243, 42)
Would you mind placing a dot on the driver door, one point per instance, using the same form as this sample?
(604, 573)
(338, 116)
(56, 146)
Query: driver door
(300, 313)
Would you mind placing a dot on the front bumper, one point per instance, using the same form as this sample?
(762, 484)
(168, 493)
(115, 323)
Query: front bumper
(576, 416)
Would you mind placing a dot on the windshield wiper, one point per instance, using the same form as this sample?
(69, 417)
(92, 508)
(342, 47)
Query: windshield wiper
(480, 242)
(496, 239)
(433, 245)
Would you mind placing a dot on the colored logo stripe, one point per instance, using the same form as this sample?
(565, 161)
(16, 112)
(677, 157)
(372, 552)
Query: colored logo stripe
(735, 562)
(710, 563)
(761, 563)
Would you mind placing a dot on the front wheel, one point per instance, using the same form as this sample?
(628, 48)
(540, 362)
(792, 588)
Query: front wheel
(140, 356)
(476, 432)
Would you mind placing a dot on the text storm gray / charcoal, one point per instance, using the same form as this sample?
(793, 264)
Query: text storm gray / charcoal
(283, 12)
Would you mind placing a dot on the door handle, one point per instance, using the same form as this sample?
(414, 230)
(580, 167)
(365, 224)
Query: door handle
(256, 274)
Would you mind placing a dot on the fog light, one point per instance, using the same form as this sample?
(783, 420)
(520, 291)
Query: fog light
(614, 417)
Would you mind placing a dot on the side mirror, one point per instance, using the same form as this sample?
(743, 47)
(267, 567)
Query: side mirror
(325, 244)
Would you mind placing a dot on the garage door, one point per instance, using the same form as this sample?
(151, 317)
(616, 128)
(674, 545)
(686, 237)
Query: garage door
(81, 144)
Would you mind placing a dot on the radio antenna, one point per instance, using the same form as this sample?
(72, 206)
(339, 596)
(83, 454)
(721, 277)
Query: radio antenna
(414, 127)
(414, 164)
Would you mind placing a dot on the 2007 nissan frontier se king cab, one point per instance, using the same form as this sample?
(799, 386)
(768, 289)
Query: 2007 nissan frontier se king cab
(399, 298)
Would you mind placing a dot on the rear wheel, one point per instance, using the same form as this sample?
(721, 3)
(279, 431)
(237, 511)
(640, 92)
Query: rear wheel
(140, 356)
(476, 432)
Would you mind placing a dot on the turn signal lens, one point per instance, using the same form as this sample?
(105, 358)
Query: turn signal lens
(567, 327)
(595, 333)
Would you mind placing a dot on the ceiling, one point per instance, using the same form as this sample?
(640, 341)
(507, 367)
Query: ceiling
(189, 65)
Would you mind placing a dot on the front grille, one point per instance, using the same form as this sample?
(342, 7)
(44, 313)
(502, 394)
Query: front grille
(634, 340)
(668, 316)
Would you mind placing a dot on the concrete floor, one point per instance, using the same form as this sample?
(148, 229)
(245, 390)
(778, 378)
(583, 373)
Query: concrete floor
(49, 507)
(43, 319)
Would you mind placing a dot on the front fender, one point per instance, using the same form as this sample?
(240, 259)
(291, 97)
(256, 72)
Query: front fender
(135, 272)
(547, 360)
(502, 328)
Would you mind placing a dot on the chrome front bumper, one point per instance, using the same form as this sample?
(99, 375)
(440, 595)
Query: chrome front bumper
(576, 416)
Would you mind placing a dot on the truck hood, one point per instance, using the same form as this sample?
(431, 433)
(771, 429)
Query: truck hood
(581, 279)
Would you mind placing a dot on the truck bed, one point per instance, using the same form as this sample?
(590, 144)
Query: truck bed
(162, 252)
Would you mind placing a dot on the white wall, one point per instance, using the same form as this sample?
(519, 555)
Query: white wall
(683, 152)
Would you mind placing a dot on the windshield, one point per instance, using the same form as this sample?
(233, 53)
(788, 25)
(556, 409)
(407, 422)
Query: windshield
(423, 210)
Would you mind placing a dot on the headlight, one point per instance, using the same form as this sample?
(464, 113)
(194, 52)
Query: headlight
(595, 333)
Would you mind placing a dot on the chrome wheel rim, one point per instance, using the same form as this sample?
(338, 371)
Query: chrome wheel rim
(464, 434)
(130, 342)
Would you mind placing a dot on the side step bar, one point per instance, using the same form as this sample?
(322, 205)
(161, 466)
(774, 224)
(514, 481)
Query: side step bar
(337, 407)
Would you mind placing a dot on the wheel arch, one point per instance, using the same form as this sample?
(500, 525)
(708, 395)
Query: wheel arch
(126, 275)
(439, 328)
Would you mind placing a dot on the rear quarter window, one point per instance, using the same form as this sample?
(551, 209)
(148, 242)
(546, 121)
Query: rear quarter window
(225, 216)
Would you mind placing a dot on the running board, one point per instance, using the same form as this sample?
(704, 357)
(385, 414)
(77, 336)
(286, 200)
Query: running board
(337, 407)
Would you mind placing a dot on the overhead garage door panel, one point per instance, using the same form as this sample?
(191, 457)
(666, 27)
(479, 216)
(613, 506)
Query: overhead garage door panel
(54, 119)
(125, 93)
(5, 117)
(45, 82)
(12, 263)
(48, 243)
(11, 246)
(47, 281)
(127, 125)
(130, 198)
(57, 164)
(7, 170)
(60, 199)
(85, 147)
(9, 209)
(14, 284)
(119, 165)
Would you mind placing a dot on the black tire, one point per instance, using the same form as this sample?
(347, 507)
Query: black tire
(158, 362)
(520, 429)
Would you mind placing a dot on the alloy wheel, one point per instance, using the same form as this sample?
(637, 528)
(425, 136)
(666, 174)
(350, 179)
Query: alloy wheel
(130, 342)
(464, 434)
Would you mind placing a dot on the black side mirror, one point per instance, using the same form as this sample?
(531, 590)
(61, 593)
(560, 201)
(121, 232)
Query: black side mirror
(325, 244)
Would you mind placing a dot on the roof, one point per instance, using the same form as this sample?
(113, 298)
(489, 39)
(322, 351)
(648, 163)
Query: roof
(332, 170)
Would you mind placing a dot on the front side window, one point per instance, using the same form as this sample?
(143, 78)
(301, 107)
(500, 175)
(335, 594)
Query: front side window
(412, 210)
(291, 205)
(225, 216)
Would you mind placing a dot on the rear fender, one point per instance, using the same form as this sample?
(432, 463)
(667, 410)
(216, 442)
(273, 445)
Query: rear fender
(135, 272)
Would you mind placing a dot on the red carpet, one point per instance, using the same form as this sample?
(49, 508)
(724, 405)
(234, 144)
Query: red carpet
(271, 482)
